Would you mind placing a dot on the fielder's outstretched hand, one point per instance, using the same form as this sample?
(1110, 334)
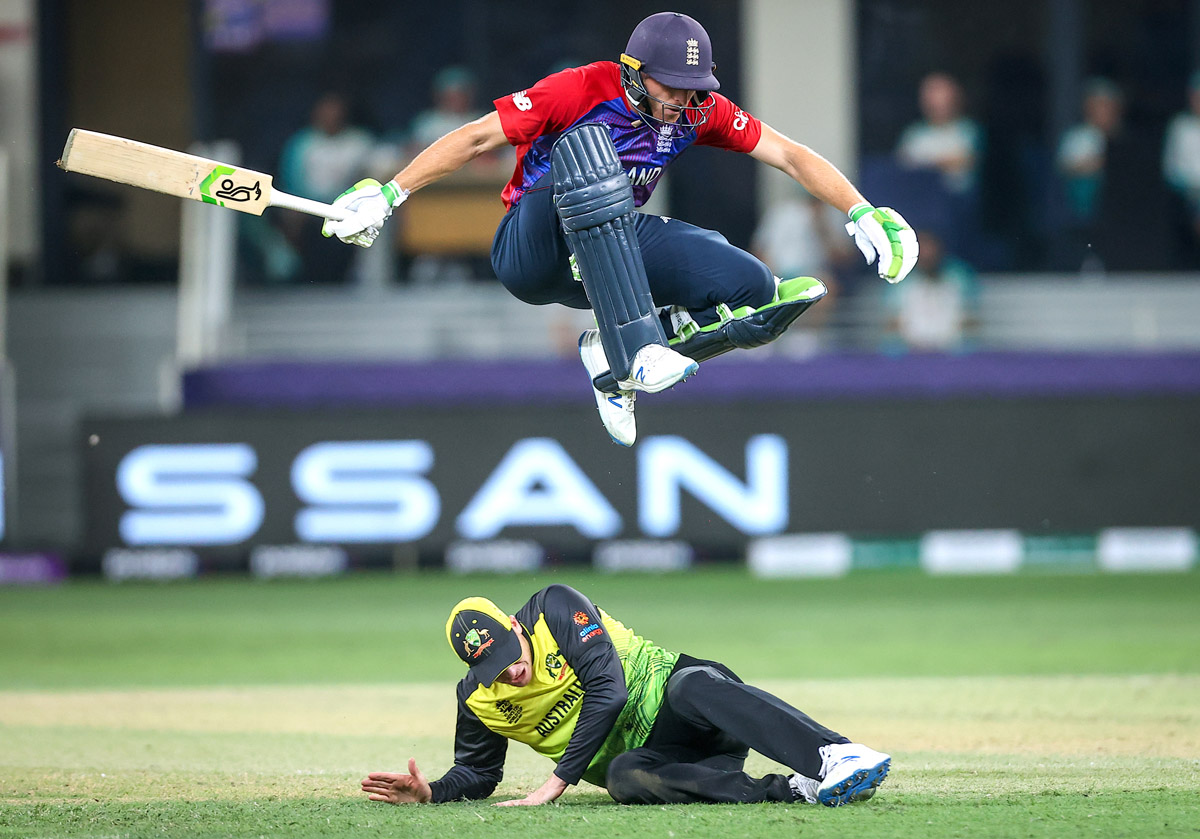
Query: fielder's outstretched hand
(884, 234)
(369, 204)
(397, 788)
(544, 794)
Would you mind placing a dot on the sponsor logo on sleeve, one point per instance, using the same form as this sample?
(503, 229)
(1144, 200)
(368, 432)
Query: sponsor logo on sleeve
(740, 120)
(522, 101)
(588, 628)
(589, 632)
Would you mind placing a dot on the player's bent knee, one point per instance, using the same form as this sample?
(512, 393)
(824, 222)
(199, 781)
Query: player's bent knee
(540, 289)
(756, 286)
(625, 779)
(764, 285)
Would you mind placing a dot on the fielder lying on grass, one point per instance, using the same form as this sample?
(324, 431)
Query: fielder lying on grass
(650, 725)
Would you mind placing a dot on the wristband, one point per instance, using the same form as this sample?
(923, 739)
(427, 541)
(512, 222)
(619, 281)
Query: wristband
(394, 193)
(859, 210)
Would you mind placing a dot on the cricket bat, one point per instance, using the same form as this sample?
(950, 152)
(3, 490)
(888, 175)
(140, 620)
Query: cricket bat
(183, 175)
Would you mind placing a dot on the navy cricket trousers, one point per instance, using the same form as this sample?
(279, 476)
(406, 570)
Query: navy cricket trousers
(702, 735)
(686, 265)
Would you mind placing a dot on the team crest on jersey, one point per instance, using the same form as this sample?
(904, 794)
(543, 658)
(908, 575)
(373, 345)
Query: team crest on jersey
(664, 138)
(555, 665)
(581, 618)
(476, 641)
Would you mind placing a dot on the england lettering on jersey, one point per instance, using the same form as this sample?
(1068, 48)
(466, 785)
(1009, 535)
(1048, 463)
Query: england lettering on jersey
(533, 119)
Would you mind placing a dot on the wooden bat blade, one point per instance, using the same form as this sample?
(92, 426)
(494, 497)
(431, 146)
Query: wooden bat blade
(164, 170)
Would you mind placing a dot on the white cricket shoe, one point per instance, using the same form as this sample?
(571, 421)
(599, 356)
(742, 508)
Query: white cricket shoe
(616, 409)
(655, 367)
(850, 772)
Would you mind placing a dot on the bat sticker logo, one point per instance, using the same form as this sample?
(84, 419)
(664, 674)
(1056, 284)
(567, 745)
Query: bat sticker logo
(214, 192)
(230, 192)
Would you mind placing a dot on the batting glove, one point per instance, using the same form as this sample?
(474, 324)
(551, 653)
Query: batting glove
(369, 205)
(884, 234)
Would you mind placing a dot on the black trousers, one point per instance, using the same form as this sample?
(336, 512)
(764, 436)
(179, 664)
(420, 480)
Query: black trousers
(697, 749)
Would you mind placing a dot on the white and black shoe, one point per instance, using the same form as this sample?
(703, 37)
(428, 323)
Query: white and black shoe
(616, 409)
(850, 772)
(804, 788)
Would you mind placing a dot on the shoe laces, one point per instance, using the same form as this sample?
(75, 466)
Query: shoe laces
(829, 758)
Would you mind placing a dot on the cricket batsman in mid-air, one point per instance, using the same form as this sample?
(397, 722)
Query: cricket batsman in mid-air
(591, 143)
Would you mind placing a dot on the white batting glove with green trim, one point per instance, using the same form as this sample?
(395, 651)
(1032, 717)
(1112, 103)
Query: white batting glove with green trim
(369, 204)
(884, 234)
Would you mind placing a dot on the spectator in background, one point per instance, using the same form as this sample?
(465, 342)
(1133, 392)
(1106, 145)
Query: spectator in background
(934, 310)
(801, 237)
(453, 92)
(453, 95)
(321, 158)
(944, 139)
(1082, 151)
(318, 161)
(1181, 164)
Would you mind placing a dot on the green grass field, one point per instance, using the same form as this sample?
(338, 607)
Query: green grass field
(1029, 705)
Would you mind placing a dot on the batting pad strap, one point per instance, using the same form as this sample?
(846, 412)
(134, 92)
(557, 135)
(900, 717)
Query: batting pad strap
(742, 328)
(746, 328)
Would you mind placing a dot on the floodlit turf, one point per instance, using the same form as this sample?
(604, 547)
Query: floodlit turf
(1014, 706)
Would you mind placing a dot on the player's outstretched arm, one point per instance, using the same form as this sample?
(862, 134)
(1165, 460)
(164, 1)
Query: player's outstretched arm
(881, 234)
(370, 203)
(455, 150)
(398, 788)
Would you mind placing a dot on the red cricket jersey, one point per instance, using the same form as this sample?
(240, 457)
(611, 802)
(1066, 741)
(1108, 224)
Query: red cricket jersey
(534, 118)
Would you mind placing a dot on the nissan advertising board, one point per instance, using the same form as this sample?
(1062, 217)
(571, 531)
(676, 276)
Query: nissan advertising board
(714, 476)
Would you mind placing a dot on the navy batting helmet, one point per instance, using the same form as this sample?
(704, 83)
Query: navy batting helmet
(675, 51)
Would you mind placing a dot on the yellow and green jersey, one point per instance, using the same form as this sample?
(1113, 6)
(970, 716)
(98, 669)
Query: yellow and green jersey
(595, 692)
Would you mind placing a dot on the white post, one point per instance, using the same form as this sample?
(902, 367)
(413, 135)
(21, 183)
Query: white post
(800, 65)
(8, 401)
(207, 250)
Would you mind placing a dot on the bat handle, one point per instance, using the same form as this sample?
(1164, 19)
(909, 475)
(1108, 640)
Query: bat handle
(306, 205)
